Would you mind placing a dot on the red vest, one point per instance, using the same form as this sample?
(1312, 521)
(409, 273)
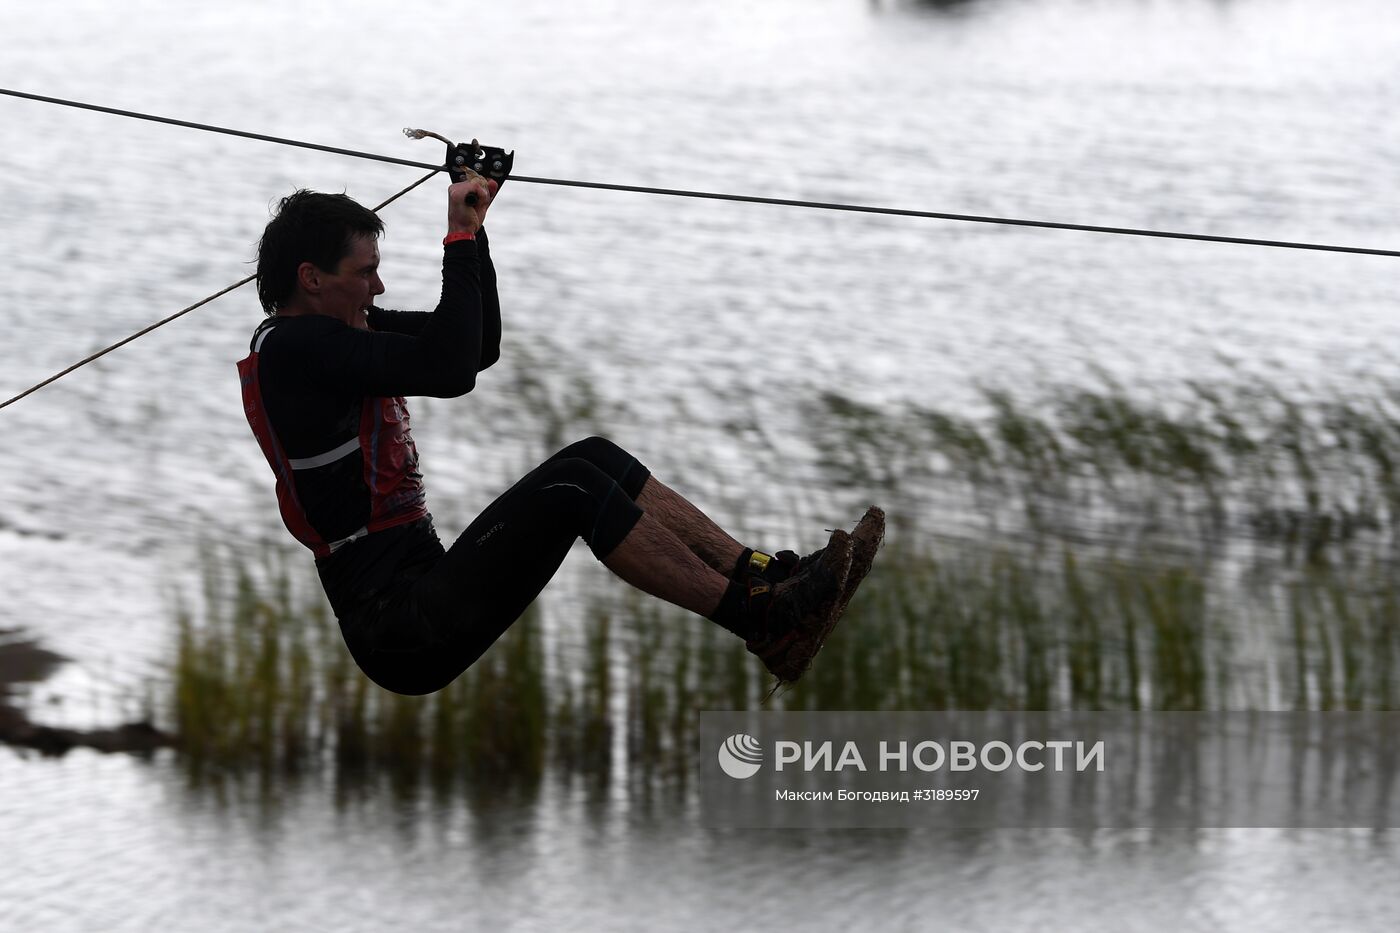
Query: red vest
(384, 445)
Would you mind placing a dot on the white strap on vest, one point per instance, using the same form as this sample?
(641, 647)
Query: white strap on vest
(330, 456)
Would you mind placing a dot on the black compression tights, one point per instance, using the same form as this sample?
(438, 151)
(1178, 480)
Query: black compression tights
(428, 628)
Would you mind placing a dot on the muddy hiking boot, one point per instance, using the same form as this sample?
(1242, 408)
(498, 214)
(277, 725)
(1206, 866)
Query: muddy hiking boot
(865, 541)
(802, 611)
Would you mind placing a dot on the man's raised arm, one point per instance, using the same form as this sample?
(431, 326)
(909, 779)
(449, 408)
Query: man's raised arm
(437, 354)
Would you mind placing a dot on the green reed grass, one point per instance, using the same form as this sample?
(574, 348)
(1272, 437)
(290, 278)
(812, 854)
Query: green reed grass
(582, 726)
(266, 687)
(1315, 479)
(1102, 571)
(262, 685)
(1346, 640)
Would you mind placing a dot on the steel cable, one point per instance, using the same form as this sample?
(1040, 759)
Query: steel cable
(719, 196)
(183, 311)
(638, 189)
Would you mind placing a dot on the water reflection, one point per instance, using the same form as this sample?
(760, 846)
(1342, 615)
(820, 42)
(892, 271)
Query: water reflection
(563, 863)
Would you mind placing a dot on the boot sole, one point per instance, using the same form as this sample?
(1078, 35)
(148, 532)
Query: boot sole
(865, 542)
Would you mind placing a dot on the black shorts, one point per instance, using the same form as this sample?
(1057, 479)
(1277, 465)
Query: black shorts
(438, 615)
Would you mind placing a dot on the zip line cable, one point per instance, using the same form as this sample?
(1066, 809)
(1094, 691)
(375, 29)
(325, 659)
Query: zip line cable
(717, 196)
(638, 189)
(183, 311)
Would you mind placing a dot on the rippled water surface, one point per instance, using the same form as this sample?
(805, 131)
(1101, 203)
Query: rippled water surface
(658, 322)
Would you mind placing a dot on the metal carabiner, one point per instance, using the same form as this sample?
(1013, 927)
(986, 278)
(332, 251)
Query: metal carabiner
(487, 161)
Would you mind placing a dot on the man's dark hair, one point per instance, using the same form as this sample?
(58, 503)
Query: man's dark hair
(309, 227)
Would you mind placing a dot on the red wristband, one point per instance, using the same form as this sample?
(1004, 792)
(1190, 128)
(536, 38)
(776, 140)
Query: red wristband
(459, 235)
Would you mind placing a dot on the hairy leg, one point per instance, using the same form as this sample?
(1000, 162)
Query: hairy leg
(709, 541)
(679, 516)
(658, 562)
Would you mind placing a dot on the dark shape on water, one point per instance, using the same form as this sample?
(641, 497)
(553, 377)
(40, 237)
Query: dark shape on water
(23, 661)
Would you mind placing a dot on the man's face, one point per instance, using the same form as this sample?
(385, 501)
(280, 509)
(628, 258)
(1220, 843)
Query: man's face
(352, 288)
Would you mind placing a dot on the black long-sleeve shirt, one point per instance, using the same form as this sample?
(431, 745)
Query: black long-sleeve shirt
(328, 390)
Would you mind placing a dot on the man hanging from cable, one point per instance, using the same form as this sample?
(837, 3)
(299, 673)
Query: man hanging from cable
(323, 390)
